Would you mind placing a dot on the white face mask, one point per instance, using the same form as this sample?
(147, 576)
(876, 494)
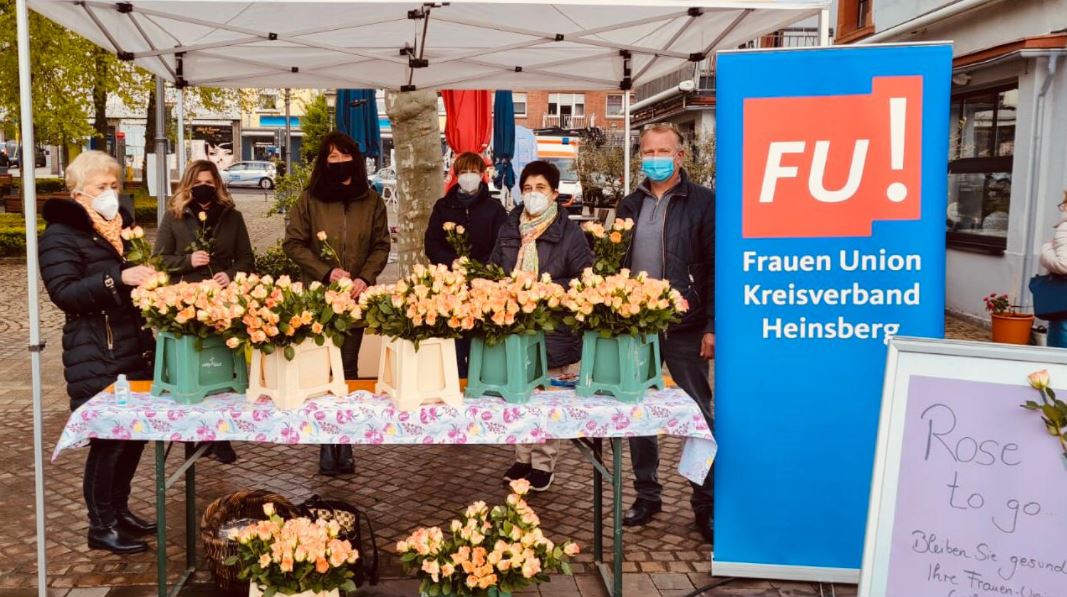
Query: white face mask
(535, 203)
(106, 204)
(470, 182)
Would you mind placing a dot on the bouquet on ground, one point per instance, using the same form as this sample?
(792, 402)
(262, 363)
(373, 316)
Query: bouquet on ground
(282, 313)
(609, 245)
(457, 239)
(291, 556)
(620, 304)
(518, 304)
(140, 252)
(200, 309)
(430, 302)
(502, 547)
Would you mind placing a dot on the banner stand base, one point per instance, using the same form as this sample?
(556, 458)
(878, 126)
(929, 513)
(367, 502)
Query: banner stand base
(775, 572)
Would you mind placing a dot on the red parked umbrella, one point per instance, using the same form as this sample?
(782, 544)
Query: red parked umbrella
(469, 124)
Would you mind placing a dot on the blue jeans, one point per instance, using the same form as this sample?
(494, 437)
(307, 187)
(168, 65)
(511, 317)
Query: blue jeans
(1057, 333)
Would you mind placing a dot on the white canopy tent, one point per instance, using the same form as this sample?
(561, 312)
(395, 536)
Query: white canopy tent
(391, 44)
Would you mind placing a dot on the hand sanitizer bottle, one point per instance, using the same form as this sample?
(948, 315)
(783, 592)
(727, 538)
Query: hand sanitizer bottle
(122, 390)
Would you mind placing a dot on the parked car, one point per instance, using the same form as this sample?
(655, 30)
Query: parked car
(14, 153)
(381, 178)
(250, 174)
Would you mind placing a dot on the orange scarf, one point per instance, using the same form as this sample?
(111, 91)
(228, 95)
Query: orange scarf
(111, 231)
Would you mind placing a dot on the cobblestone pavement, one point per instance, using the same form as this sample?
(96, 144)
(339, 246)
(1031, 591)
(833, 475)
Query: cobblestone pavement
(399, 487)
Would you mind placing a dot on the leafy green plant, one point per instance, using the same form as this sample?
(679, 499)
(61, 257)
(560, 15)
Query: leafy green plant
(457, 238)
(275, 263)
(1053, 410)
(289, 188)
(610, 245)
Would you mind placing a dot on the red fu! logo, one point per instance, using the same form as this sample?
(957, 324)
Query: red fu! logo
(831, 165)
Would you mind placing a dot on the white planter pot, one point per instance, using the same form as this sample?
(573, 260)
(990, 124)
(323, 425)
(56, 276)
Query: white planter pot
(255, 591)
(416, 377)
(314, 371)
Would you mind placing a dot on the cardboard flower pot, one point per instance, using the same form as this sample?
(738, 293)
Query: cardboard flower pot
(416, 377)
(619, 366)
(191, 368)
(510, 369)
(255, 591)
(314, 371)
(1012, 328)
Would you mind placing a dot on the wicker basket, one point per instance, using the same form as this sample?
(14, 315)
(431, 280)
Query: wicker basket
(247, 503)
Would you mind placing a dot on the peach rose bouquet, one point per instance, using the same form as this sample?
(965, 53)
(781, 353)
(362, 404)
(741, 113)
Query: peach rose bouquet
(609, 244)
(502, 547)
(291, 556)
(518, 304)
(430, 302)
(460, 243)
(199, 309)
(622, 304)
(280, 313)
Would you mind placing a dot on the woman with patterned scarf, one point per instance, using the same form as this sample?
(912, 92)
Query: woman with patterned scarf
(539, 238)
(85, 271)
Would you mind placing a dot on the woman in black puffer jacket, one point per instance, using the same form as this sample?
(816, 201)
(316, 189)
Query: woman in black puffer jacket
(86, 275)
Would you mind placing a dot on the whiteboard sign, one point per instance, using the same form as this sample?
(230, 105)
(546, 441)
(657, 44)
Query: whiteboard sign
(969, 497)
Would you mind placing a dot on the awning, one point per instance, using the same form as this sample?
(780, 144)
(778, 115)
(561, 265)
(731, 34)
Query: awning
(462, 44)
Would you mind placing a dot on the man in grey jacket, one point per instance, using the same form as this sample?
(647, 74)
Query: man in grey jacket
(674, 239)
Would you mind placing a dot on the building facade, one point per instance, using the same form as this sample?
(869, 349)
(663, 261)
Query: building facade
(569, 109)
(1007, 168)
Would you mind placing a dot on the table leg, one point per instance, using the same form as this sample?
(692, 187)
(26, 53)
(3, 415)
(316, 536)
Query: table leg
(598, 503)
(161, 518)
(190, 508)
(616, 480)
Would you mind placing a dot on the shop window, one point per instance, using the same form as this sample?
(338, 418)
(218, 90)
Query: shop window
(519, 100)
(981, 153)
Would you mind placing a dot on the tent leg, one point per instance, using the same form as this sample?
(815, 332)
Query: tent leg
(626, 142)
(288, 137)
(29, 189)
(162, 192)
(180, 150)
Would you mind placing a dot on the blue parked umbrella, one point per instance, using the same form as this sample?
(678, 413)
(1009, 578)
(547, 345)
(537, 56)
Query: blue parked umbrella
(357, 117)
(503, 139)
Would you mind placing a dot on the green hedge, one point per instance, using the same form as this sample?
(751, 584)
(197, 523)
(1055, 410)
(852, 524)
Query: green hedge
(44, 185)
(144, 208)
(13, 234)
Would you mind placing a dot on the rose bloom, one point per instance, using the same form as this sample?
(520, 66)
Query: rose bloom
(1039, 379)
(571, 549)
(202, 216)
(460, 229)
(233, 343)
(321, 235)
(449, 226)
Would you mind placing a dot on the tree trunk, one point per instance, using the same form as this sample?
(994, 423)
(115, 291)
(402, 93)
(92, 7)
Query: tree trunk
(100, 100)
(417, 138)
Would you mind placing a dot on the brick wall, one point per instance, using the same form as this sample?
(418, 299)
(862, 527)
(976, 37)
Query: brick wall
(537, 107)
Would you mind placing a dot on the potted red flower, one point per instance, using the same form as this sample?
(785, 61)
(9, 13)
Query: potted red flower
(1009, 326)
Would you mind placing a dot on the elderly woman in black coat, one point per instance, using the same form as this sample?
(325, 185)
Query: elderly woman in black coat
(539, 238)
(87, 276)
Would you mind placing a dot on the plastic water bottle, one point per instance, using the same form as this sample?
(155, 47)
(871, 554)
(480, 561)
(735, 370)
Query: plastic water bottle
(122, 390)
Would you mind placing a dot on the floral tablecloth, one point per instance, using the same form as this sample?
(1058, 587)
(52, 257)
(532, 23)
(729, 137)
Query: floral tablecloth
(365, 418)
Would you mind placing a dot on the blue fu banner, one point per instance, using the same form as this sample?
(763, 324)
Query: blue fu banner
(830, 238)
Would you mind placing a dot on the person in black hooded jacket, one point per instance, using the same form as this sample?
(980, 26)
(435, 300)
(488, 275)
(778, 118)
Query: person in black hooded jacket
(86, 275)
(469, 205)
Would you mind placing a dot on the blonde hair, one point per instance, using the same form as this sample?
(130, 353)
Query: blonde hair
(183, 195)
(663, 127)
(88, 163)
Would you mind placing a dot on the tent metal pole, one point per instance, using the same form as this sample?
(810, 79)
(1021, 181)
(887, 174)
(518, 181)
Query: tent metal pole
(824, 27)
(626, 141)
(288, 135)
(180, 150)
(162, 192)
(29, 198)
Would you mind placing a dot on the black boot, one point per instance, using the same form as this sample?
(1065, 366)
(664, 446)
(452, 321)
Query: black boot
(345, 463)
(327, 460)
(223, 452)
(132, 524)
(114, 540)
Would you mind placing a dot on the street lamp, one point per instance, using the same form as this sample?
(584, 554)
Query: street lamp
(331, 104)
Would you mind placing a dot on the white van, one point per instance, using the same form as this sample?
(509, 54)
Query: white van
(562, 152)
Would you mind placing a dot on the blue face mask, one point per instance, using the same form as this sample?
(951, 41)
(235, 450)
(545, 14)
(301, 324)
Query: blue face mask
(658, 168)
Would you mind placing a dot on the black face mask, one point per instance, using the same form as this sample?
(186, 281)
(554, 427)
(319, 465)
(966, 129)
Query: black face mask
(338, 172)
(204, 194)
